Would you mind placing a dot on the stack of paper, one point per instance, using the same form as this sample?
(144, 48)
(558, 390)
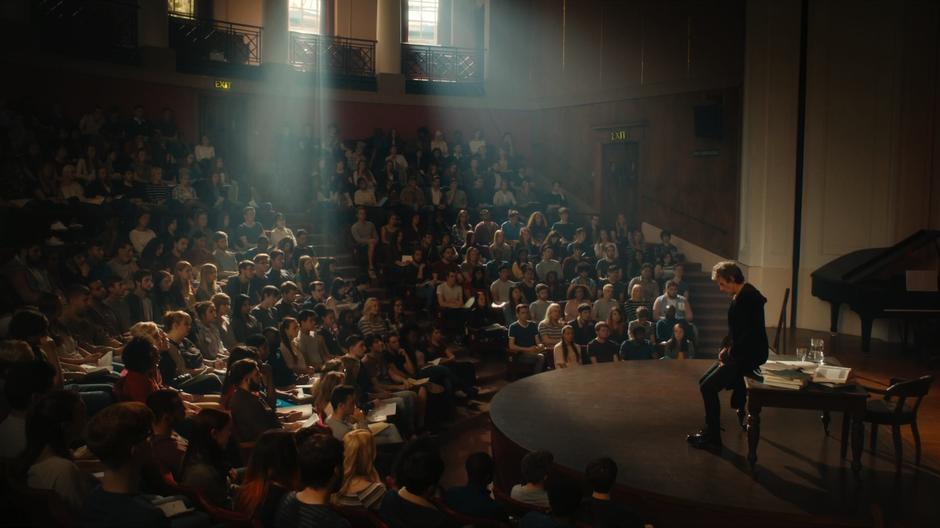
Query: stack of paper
(830, 375)
(381, 412)
(785, 375)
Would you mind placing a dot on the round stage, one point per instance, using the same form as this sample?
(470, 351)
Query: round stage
(639, 413)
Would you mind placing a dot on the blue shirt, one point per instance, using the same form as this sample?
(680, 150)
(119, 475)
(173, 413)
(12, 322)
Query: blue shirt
(511, 231)
(525, 336)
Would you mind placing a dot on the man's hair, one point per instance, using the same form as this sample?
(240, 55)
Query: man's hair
(75, 290)
(353, 340)
(261, 256)
(28, 323)
(113, 432)
(203, 307)
(421, 470)
(564, 497)
(269, 291)
(584, 307)
(140, 275)
(520, 306)
(479, 468)
(535, 466)
(289, 286)
(638, 331)
(371, 340)
(219, 235)
(540, 287)
(729, 271)
(318, 458)
(138, 354)
(665, 233)
(340, 394)
(600, 324)
(275, 253)
(163, 402)
(241, 369)
(671, 282)
(221, 298)
(307, 314)
(601, 473)
(23, 380)
(245, 264)
(174, 317)
(583, 267)
(646, 265)
(642, 311)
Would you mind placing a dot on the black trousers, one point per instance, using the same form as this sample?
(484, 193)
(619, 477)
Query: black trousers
(716, 379)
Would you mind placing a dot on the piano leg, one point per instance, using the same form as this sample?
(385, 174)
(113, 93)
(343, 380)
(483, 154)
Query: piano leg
(866, 334)
(833, 317)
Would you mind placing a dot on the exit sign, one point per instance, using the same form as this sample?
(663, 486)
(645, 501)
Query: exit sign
(619, 135)
(223, 85)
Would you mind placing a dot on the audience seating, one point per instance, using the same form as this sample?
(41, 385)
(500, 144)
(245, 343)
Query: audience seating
(893, 410)
(469, 520)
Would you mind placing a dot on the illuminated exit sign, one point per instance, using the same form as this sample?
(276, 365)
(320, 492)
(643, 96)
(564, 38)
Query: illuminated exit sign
(619, 135)
(223, 85)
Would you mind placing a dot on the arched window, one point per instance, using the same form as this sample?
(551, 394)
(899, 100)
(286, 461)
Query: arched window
(422, 21)
(185, 8)
(304, 16)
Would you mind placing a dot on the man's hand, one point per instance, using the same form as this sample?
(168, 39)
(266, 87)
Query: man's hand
(358, 415)
(724, 354)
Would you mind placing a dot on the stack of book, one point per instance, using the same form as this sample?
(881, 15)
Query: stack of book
(786, 375)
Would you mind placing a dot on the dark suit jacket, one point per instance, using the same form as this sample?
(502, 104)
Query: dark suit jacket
(747, 334)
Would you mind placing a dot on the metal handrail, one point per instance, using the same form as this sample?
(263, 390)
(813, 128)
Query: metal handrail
(441, 63)
(343, 56)
(203, 38)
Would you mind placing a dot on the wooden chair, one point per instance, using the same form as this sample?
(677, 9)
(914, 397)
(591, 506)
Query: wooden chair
(895, 411)
(359, 517)
(468, 520)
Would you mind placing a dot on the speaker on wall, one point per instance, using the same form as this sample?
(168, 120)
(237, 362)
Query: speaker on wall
(708, 121)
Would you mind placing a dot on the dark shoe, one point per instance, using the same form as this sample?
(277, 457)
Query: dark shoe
(705, 439)
(742, 419)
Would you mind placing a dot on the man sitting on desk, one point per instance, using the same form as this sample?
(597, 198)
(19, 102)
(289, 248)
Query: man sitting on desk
(743, 350)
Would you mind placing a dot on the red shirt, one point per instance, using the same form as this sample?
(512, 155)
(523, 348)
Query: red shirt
(135, 386)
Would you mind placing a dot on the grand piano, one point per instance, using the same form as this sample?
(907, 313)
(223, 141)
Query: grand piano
(875, 284)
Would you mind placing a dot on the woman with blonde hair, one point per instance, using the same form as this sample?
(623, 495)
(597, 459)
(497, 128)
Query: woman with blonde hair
(550, 328)
(566, 351)
(324, 389)
(362, 487)
(500, 249)
(208, 273)
(372, 322)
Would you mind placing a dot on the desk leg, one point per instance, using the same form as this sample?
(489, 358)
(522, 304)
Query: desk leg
(858, 438)
(844, 441)
(753, 433)
(825, 421)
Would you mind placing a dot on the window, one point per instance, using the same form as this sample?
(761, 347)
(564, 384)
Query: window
(182, 7)
(304, 16)
(422, 21)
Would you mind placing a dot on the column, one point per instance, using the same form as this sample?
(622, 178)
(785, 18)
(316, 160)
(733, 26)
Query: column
(388, 35)
(275, 37)
(153, 35)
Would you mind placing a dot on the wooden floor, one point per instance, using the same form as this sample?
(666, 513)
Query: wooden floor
(906, 500)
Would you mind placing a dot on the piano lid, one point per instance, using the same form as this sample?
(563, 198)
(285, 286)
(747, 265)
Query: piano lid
(918, 251)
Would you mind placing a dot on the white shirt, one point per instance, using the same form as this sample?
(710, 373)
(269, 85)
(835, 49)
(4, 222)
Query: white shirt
(12, 436)
(202, 152)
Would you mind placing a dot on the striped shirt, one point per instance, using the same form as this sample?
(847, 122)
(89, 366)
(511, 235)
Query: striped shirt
(550, 332)
(369, 498)
(372, 326)
(295, 514)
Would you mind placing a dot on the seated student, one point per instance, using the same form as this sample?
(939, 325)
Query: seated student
(637, 347)
(525, 345)
(362, 487)
(583, 329)
(672, 299)
(181, 363)
(25, 383)
(605, 304)
(205, 466)
(347, 416)
(168, 447)
(534, 468)
(118, 435)
(678, 346)
(564, 497)
(643, 319)
(601, 349)
(405, 401)
(474, 498)
(139, 377)
(539, 306)
(566, 353)
(54, 423)
(599, 509)
(251, 413)
(411, 506)
(270, 475)
(320, 460)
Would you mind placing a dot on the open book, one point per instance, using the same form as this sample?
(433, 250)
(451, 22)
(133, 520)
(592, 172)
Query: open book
(831, 375)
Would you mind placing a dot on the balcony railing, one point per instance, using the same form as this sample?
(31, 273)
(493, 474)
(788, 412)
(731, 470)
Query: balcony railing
(101, 29)
(441, 64)
(203, 40)
(338, 56)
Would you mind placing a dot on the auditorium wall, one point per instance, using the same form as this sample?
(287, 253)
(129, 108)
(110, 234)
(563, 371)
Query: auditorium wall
(871, 175)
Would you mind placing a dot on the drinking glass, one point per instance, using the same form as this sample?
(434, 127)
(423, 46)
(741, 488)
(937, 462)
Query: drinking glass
(817, 350)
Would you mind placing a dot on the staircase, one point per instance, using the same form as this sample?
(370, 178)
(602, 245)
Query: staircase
(710, 307)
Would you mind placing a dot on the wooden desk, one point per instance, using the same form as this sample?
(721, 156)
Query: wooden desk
(850, 400)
